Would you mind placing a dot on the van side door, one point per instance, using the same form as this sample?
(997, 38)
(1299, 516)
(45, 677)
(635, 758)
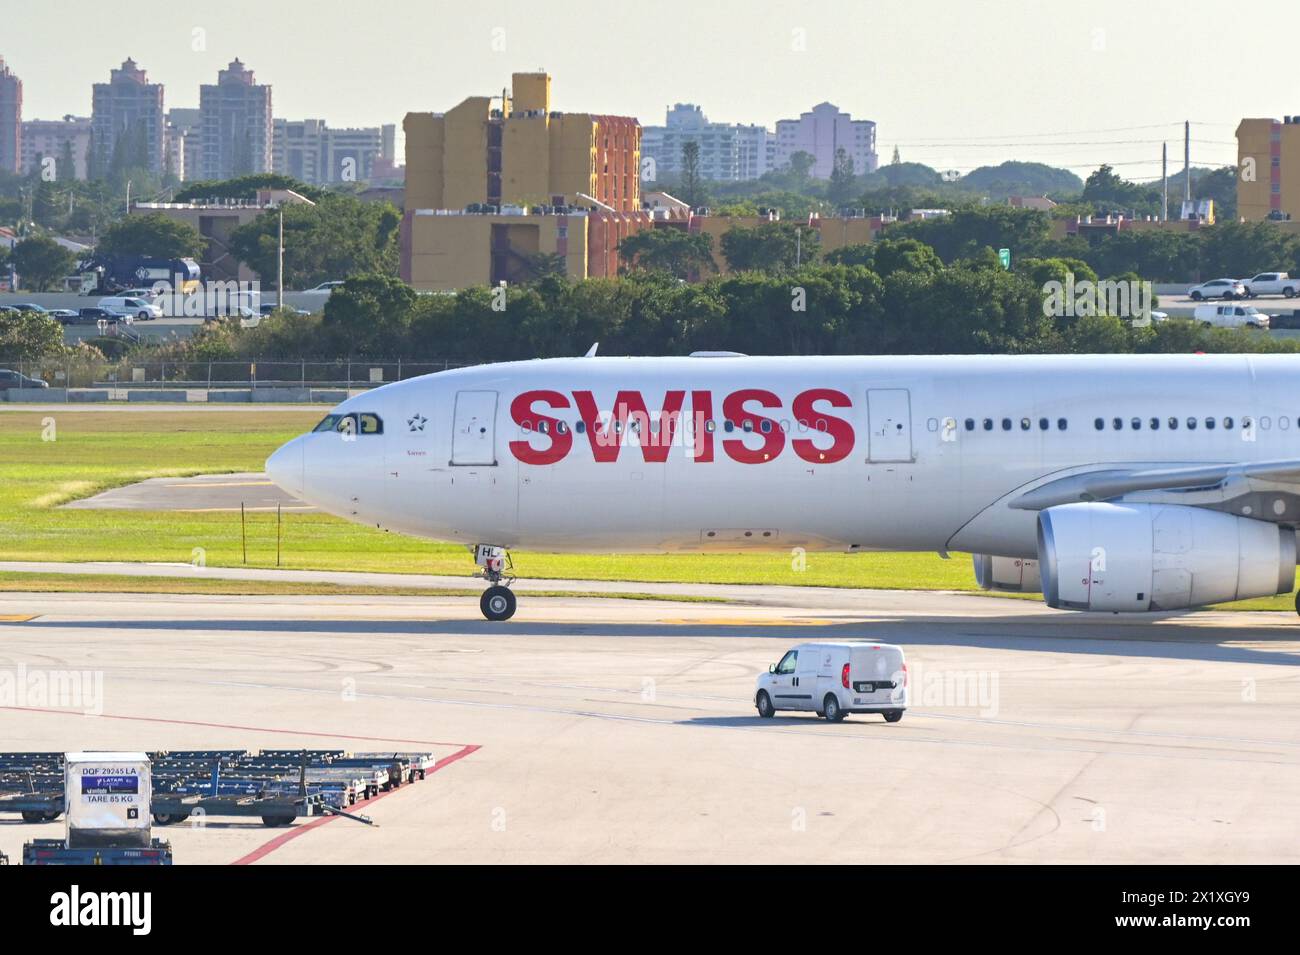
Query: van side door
(781, 686)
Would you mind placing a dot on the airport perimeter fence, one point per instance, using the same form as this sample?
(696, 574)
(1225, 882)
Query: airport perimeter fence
(137, 374)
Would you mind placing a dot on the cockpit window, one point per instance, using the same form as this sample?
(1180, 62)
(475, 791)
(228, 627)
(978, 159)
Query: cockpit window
(356, 423)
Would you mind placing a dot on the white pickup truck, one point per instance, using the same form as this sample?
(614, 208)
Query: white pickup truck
(1272, 283)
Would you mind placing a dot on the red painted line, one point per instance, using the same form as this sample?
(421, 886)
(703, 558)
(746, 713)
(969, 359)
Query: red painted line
(263, 851)
(228, 726)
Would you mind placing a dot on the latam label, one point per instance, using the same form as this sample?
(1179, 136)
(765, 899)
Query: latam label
(753, 428)
(102, 784)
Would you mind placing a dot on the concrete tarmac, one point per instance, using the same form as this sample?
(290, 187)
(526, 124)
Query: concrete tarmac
(600, 730)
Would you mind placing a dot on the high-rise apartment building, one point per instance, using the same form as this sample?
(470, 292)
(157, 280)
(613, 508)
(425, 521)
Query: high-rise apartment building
(58, 139)
(127, 121)
(11, 119)
(728, 152)
(822, 132)
(309, 150)
(235, 124)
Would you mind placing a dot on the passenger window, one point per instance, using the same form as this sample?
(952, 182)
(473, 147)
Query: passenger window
(1227, 424)
(747, 426)
(371, 423)
(1155, 424)
(1099, 424)
(1173, 424)
(787, 663)
(710, 426)
(728, 426)
(1117, 423)
(1191, 424)
(1061, 424)
(1006, 424)
(988, 424)
(1024, 424)
(1042, 424)
(766, 426)
(1136, 424)
(970, 424)
(561, 427)
(1209, 424)
(581, 427)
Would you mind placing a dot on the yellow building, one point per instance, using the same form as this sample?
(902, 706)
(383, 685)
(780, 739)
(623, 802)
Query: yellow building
(1268, 169)
(477, 175)
(520, 152)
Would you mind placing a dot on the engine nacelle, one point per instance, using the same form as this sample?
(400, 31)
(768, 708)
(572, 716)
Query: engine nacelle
(1009, 574)
(1139, 557)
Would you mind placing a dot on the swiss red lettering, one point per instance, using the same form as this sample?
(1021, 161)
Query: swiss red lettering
(702, 411)
(733, 409)
(630, 413)
(560, 440)
(840, 431)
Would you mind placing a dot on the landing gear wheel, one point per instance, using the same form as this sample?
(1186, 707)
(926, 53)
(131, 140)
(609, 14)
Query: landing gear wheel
(893, 716)
(497, 603)
(277, 822)
(831, 709)
(764, 704)
(1297, 601)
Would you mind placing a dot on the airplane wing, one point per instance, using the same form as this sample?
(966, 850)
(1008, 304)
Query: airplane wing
(1265, 490)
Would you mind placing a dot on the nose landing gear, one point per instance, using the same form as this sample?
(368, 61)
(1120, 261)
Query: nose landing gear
(498, 601)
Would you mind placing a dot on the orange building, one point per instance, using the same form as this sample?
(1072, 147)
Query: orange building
(495, 182)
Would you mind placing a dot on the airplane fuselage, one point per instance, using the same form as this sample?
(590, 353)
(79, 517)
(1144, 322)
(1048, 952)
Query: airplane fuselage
(737, 453)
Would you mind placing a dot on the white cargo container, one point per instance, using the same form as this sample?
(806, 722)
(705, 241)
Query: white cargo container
(107, 799)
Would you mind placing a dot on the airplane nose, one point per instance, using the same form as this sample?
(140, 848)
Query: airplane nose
(284, 467)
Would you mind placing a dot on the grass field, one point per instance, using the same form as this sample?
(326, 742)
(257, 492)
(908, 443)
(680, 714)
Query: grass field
(49, 458)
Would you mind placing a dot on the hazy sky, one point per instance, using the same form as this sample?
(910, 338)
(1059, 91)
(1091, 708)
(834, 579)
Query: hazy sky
(952, 83)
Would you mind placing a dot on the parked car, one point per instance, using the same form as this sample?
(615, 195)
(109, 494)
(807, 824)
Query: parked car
(1230, 316)
(12, 379)
(94, 314)
(29, 307)
(148, 294)
(834, 679)
(130, 308)
(326, 286)
(1272, 283)
(1217, 288)
(266, 309)
(65, 316)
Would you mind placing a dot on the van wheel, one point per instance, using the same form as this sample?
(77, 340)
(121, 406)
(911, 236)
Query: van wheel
(831, 709)
(1196, 296)
(764, 704)
(893, 716)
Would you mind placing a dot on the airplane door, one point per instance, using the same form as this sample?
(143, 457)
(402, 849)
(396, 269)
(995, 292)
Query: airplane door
(889, 417)
(473, 438)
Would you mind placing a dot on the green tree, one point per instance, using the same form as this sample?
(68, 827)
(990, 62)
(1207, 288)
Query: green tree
(681, 254)
(769, 247)
(692, 191)
(42, 263)
(154, 234)
(1240, 249)
(337, 237)
(840, 189)
(245, 187)
(368, 316)
(28, 336)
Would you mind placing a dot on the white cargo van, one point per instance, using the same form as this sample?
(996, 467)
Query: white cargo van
(128, 308)
(1230, 316)
(835, 679)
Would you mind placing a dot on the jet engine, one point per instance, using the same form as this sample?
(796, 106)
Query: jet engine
(1008, 574)
(1140, 557)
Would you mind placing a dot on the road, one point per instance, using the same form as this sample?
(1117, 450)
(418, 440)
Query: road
(600, 730)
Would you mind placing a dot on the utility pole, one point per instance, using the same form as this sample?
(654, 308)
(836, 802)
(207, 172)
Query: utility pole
(279, 293)
(128, 197)
(1187, 162)
(1164, 182)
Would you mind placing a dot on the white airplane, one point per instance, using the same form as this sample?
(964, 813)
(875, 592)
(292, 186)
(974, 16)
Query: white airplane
(1110, 483)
